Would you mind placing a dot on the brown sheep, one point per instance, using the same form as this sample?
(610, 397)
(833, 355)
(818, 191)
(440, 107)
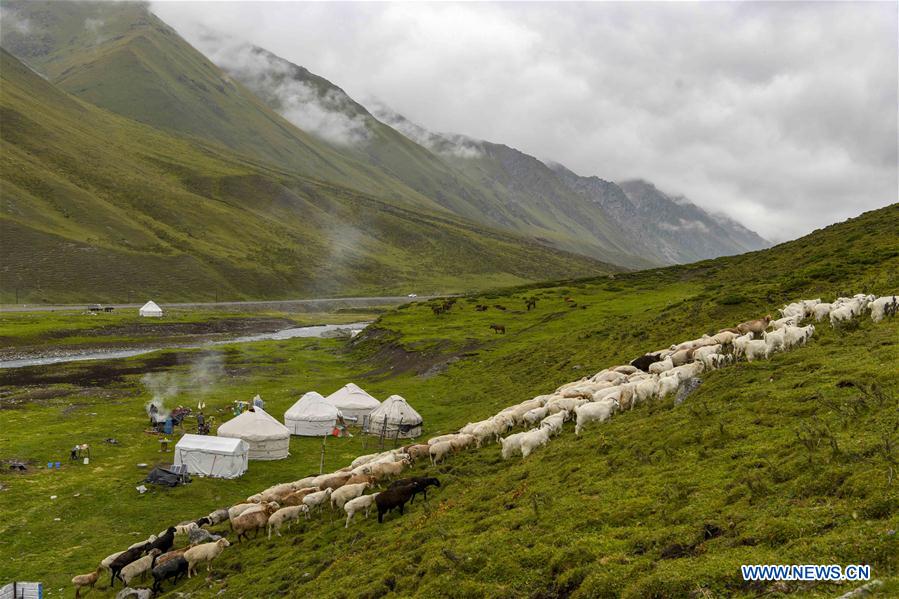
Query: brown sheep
(296, 498)
(361, 478)
(171, 555)
(756, 327)
(334, 481)
(256, 520)
(85, 580)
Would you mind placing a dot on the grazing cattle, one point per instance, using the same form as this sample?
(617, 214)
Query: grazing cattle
(499, 328)
(530, 303)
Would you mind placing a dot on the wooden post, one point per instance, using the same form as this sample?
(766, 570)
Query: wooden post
(321, 464)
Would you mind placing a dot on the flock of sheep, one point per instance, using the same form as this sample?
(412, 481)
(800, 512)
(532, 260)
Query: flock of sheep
(591, 399)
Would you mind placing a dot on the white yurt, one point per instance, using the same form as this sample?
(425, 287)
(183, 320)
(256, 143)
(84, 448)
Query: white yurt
(353, 402)
(219, 457)
(395, 418)
(151, 309)
(268, 439)
(311, 416)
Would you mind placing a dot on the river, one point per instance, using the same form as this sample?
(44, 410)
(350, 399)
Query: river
(111, 354)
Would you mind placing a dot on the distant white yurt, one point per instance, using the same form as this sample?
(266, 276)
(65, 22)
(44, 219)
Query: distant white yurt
(268, 439)
(219, 457)
(151, 308)
(311, 416)
(353, 402)
(395, 418)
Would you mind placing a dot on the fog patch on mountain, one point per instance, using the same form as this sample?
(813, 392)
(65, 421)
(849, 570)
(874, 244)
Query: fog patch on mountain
(327, 114)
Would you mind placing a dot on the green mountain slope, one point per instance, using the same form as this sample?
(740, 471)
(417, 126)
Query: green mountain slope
(588, 211)
(119, 56)
(525, 198)
(98, 207)
(780, 461)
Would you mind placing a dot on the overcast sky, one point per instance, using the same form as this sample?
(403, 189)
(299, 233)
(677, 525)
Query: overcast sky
(782, 116)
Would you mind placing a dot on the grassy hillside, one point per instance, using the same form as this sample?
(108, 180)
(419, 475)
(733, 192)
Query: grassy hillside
(121, 57)
(98, 208)
(784, 461)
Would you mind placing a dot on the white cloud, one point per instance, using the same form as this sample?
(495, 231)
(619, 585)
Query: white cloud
(780, 115)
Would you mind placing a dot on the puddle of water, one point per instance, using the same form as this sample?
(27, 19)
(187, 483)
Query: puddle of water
(311, 331)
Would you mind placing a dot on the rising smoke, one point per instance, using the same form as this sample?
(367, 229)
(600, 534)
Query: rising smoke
(200, 379)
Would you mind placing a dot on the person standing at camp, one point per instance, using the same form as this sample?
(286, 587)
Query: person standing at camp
(201, 424)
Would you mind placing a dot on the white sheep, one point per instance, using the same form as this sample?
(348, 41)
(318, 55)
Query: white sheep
(775, 340)
(702, 354)
(485, 431)
(603, 393)
(599, 411)
(440, 450)
(358, 504)
(345, 493)
(794, 336)
(644, 390)
(684, 372)
(511, 444)
(660, 367)
(844, 313)
(884, 306)
(286, 515)
(740, 344)
(139, 567)
(317, 499)
(668, 385)
(532, 417)
(755, 349)
(821, 311)
(554, 422)
(532, 440)
(204, 553)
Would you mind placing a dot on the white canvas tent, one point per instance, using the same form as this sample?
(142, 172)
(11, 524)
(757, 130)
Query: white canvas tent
(219, 457)
(395, 418)
(311, 416)
(268, 439)
(353, 402)
(151, 308)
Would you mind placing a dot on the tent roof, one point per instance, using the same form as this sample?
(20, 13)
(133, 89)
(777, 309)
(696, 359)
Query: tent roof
(352, 397)
(151, 306)
(395, 408)
(312, 407)
(210, 444)
(254, 425)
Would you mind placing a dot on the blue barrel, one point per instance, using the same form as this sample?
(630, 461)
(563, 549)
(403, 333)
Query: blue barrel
(169, 426)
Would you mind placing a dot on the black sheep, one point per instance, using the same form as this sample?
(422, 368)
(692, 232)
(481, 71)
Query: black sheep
(421, 485)
(394, 497)
(176, 568)
(164, 542)
(204, 521)
(130, 555)
(644, 361)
